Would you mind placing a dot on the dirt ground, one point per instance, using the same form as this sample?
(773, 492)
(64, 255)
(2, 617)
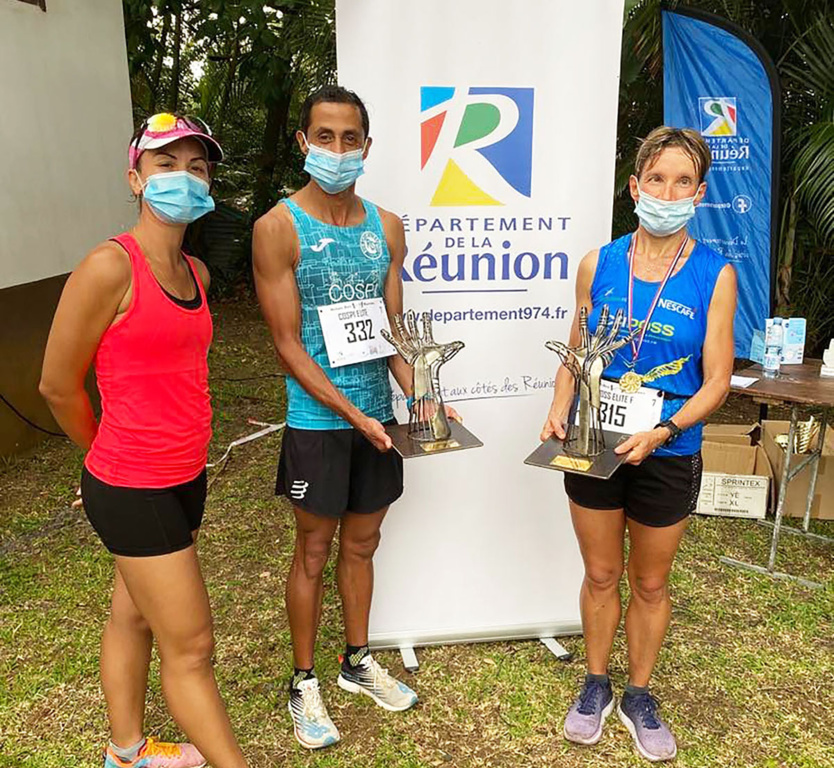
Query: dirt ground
(745, 676)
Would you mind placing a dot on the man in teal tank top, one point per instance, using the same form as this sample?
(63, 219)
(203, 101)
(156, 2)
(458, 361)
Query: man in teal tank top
(317, 256)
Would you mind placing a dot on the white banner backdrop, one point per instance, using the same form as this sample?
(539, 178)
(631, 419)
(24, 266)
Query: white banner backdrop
(494, 138)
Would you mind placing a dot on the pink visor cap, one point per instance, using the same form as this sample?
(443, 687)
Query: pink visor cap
(165, 128)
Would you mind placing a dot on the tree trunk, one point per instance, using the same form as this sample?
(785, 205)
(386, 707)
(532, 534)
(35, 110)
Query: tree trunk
(174, 92)
(157, 67)
(231, 71)
(783, 283)
(277, 114)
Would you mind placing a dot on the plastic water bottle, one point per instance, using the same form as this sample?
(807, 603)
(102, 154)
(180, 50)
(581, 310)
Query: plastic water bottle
(773, 348)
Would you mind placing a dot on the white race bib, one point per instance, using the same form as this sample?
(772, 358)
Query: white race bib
(352, 331)
(625, 413)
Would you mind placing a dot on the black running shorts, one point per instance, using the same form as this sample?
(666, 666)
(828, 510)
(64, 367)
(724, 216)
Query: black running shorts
(141, 522)
(332, 471)
(660, 491)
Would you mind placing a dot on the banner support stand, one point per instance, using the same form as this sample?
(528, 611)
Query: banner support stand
(409, 658)
(556, 648)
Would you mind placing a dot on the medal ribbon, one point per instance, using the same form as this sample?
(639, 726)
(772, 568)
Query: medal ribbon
(635, 347)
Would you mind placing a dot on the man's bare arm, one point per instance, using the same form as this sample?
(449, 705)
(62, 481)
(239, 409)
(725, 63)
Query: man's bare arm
(395, 236)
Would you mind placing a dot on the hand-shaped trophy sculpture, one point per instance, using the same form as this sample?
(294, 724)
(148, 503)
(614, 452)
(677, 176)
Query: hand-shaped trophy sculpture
(587, 448)
(429, 429)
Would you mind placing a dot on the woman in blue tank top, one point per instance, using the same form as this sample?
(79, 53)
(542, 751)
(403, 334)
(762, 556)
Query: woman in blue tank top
(680, 296)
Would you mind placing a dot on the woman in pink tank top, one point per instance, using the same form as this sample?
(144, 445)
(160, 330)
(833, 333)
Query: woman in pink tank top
(136, 308)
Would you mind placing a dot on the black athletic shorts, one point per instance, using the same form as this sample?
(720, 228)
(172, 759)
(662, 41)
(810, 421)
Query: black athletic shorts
(660, 491)
(141, 522)
(333, 471)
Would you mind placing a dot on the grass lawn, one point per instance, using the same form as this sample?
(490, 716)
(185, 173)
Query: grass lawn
(745, 676)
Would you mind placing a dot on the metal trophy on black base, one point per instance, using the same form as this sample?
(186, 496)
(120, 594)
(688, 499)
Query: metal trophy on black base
(587, 449)
(429, 430)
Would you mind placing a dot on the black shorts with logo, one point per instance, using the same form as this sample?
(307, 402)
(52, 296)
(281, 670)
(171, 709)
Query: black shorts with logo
(332, 471)
(143, 522)
(660, 491)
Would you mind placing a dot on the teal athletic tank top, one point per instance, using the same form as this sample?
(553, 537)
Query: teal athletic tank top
(674, 342)
(338, 264)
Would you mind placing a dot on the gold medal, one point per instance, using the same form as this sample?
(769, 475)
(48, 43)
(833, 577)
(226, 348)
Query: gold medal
(630, 382)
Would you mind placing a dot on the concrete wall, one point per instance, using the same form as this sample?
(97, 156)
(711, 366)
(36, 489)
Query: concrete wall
(65, 121)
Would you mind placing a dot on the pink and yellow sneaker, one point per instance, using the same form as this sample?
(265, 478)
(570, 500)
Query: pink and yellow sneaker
(158, 754)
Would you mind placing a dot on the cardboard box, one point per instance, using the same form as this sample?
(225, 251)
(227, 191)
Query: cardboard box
(735, 434)
(823, 504)
(737, 472)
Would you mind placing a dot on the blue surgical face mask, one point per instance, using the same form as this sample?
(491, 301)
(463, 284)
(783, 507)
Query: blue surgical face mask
(333, 172)
(177, 197)
(663, 217)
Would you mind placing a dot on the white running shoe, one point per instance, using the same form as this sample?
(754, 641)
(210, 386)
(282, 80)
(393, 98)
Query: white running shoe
(369, 678)
(312, 725)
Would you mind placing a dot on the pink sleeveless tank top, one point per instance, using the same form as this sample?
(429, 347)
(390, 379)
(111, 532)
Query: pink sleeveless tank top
(152, 372)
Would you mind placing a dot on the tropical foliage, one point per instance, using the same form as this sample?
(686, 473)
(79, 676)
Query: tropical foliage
(799, 36)
(245, 66)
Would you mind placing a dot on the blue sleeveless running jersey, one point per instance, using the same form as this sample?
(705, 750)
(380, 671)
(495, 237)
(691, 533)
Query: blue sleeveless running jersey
(671, 351)
(338, 264)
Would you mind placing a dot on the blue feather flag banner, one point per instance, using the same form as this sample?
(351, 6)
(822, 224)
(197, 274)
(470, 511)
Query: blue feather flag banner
(719, 81)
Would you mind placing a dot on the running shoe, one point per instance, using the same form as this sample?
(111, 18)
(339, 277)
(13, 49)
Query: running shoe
(369, 678)
(587, 715)
(158, 754)
(312, 725)
(651, 735)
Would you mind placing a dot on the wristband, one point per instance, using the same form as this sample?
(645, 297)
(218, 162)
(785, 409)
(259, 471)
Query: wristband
(674, 430)
(409, 402)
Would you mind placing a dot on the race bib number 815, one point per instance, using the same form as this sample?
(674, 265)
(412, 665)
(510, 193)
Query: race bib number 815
(628, 413)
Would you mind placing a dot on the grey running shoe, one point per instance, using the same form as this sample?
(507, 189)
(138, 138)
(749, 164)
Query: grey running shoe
(312, 725)
(369, 678)
(586, 717)
(651, 735)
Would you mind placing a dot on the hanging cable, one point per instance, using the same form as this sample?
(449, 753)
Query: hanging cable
(30, 422)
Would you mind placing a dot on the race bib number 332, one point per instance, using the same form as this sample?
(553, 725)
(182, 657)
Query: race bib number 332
(351, 331)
